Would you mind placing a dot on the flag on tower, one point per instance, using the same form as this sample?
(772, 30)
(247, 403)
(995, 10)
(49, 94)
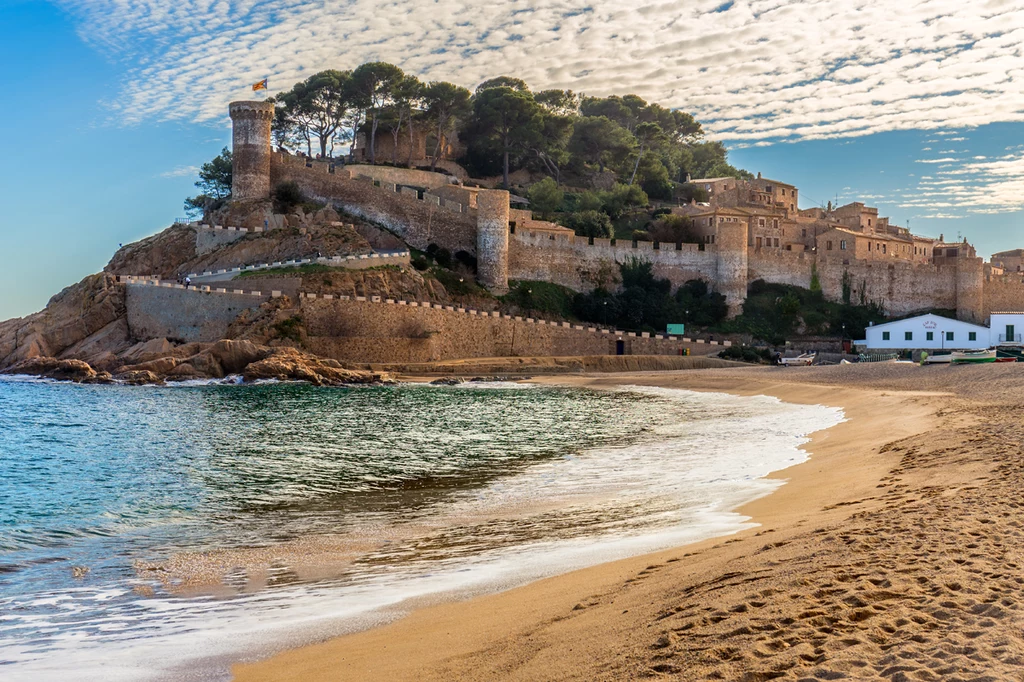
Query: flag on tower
(262, 85)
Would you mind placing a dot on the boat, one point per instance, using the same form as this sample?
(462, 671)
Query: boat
(938, 359)
(967, 357)
(1006, 359)
(802, 360)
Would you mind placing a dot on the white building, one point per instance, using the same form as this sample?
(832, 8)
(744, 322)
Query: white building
(1006, 329)
(932, 332)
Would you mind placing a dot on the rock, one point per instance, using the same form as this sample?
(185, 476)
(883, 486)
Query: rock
(52, 368)
(233, 356)
(137, 378)
(100, 378)
(290, 364)
(158, 366)
(447, 381)
(71, 317)
(147, 350)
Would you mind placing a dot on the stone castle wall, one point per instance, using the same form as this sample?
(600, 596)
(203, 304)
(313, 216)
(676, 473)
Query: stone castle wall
(187, 315)
(420, 222)
(575, 263)
(365, 331)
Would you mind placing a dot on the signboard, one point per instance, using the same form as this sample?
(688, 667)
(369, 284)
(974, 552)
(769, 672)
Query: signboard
(676, 329)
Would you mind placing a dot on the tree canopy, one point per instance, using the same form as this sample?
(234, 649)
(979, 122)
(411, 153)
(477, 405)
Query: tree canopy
(503, 126)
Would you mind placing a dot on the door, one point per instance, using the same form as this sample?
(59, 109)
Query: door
(1010, 338)
(620, 347)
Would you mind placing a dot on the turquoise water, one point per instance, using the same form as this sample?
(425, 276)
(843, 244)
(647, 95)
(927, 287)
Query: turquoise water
(120, 502)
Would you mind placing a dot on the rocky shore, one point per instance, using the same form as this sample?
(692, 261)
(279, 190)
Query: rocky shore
(158, 361)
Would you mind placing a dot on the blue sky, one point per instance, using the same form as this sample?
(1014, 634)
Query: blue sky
(110, 105)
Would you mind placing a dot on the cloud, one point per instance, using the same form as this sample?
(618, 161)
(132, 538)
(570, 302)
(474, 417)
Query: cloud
(181, 172)
(755, 71)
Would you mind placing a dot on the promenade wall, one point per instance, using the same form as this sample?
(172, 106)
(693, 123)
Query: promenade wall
(167, 310)
(370, 330)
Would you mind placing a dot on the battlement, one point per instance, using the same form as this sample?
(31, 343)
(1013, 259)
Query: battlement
(471, 312)
(364, 260)
(548, 239)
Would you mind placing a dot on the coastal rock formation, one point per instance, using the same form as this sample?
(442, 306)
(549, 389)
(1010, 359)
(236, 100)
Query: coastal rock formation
(52, 368)
(87, 318)
(288, 363)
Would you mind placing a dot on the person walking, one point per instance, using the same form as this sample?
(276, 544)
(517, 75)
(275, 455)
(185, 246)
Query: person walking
(188, 282)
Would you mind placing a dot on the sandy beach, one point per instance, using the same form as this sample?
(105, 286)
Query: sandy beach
(892, 554)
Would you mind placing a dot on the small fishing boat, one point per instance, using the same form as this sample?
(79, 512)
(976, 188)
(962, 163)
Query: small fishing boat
(938, 359)
(967, 357)
(1006, 359)
(802, 360)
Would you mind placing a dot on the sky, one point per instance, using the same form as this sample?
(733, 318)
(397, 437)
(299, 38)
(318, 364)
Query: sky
(110, 106)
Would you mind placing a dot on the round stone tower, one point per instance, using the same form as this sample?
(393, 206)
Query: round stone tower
(970, 289)
(731, 244)
(250, 146)
(492, 239)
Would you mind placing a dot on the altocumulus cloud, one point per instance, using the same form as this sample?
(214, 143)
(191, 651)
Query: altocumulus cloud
(756, 71)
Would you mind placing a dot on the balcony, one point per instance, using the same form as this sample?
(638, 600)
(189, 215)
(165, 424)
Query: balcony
(1011, 338)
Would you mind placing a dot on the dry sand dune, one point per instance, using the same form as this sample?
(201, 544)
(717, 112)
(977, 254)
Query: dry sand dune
(896, 553)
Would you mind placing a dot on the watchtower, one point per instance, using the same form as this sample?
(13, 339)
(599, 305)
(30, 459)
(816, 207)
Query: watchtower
(731, 244)
(492, 239)
(970, 289)
(250, 146)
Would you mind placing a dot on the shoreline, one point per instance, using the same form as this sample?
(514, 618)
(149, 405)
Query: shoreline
(455, 639)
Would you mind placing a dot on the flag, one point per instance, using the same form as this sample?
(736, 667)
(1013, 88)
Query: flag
(262, 85)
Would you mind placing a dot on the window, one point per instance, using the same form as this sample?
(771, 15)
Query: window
(828, 245)
(759, 242)
(869, 246)
(885, 336)
(776, 241)
(908, 336)
(869, 222)
(930, 336)
(972, 336)
(949, 336)
(842, 245)
(775, 223)
(760, 222)
(804, 234)
(883, 248)
(792, 207)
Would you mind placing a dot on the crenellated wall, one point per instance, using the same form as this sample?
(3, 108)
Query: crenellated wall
(575, 263)
(361, 330)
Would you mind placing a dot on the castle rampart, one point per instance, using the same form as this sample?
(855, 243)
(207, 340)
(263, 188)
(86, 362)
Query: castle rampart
(250, 139)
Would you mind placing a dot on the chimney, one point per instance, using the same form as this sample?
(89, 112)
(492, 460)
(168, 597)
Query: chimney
(758, 175)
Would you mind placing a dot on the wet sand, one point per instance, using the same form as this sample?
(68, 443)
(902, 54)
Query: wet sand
(895, 553)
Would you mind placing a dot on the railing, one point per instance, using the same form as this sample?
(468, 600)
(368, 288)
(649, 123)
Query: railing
(1011, 338)
(877, 357)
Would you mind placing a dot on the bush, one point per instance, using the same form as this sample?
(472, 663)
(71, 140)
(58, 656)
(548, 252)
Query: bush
(420, 262)
(289, 329)
(615, 201)
(467, 259)
(442, 257)
(588, 223)
(675, 229)
(545, 197)
(287, 196)
(543, 297)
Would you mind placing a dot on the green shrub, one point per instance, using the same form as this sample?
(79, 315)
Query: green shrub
(287, 196)
(289, 329)
(588, 223)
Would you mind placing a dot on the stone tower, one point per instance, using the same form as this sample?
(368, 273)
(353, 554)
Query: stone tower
(731, 244)
(492, 239)
(970, 289)
(250, 140)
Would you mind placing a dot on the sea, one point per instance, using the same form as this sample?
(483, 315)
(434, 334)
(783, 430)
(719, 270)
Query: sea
(164, 533)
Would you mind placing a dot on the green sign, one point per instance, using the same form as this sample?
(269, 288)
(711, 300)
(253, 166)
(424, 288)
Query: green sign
(676, 329)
